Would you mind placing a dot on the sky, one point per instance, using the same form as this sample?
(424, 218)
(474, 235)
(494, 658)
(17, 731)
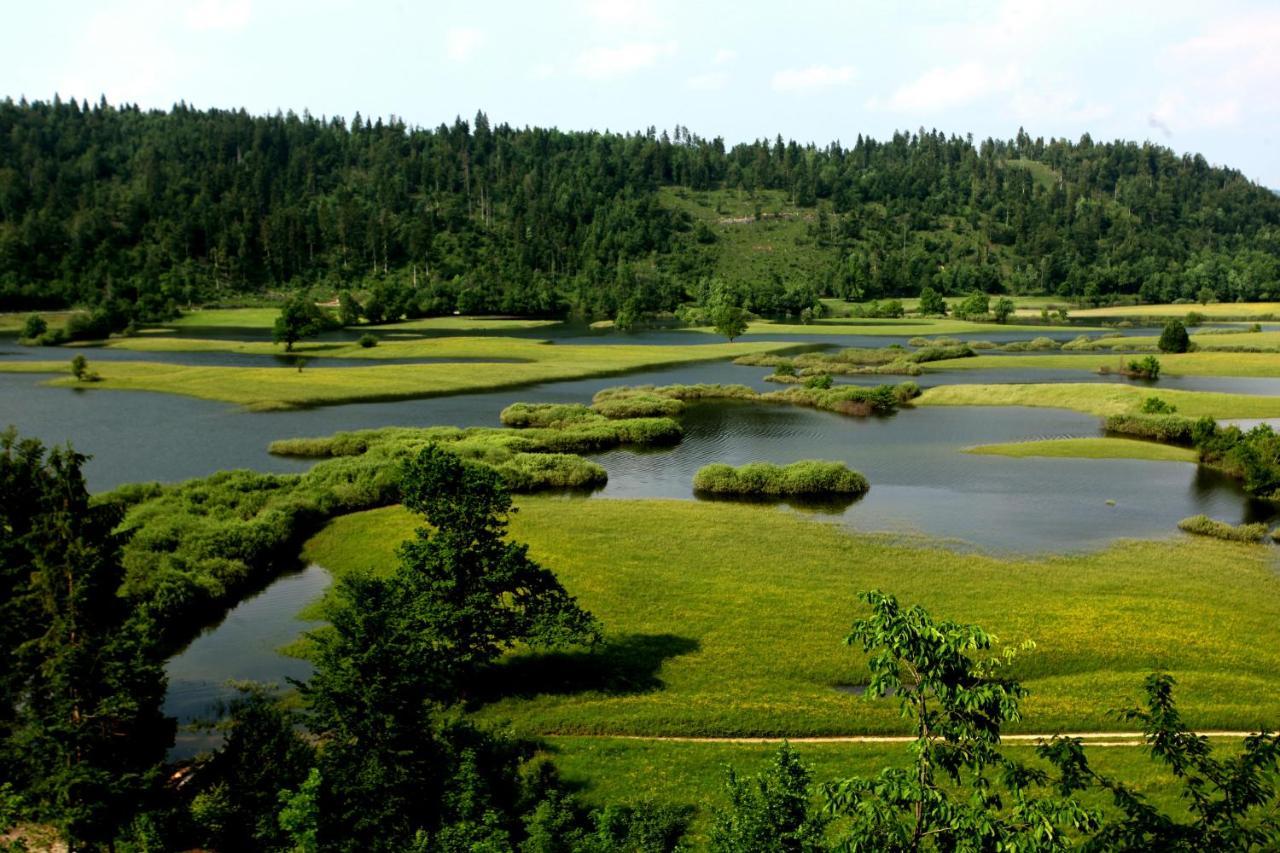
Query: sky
(1194, 76)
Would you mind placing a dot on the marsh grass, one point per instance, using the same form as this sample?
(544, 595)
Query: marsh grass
(1102, 399)
(1203, 525)
(809, 477)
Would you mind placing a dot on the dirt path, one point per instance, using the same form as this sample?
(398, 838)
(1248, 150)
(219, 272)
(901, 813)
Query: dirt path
(1089, 738)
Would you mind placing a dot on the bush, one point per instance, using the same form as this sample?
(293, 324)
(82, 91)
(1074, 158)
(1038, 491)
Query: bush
(638, 406)
(1144, 368)
(368, 341)
(784, 368)
(821, 381)
(33, 328)
(1203, 525)
(808, 477)
(1156, 406)
(554, 415)
(940, 353)
(1174, 338)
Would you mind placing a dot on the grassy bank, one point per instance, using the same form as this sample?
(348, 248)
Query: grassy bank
(1216, 310)
(907, 326)
(265, 388)
(1101, 399)
(611, 770)
(1183, 364)
(1089, 448)
(726, 619)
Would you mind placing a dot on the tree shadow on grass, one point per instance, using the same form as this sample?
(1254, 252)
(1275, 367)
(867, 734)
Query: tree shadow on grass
(625, 664)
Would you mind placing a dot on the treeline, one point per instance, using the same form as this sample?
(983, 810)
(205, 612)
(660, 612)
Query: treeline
(158, 209)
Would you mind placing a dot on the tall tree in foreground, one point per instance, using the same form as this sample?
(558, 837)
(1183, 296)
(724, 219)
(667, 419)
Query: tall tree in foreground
(772, 813)
(399, 769)
(959, 793)
(85, 682)
(299, 318)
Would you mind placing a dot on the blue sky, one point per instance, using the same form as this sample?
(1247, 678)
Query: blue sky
(1191, 75)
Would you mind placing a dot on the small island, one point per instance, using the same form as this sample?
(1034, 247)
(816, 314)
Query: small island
(808, 478)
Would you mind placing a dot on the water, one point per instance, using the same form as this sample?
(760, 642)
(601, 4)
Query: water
(921, 480)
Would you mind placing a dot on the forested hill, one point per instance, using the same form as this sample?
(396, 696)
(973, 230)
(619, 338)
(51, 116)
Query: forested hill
(161, 208)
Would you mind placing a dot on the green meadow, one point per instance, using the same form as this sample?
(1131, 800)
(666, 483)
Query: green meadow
(286, 387)
(1089, 448)
(1259, 364)
(727, 620)
(1101, 398)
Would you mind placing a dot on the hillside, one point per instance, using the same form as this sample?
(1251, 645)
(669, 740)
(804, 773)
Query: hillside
(148, 210)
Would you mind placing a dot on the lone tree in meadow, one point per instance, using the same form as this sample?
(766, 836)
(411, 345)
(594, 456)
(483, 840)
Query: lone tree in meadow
(730, 321)
(1174, 338)
(299, 318)
(1003, 309)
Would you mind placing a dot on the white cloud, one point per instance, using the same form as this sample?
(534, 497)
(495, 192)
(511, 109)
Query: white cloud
(813, 78)
(724, 55)
(1034, 104)
(946, 88)
(603, 62)
(712, 81)
(218, 14)
(1221, 77)
(461, 42)
(126, 55)
(543, 71)
(622, 14)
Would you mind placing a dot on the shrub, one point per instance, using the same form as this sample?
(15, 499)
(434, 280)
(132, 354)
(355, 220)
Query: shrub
(974, 306)
(368, 340)
(522, 415)
(784, 368)
(807, 477)
(638, 406)
(1203, 525)
(821, 381)
(940, 353)
(1174, 338)
(1156, 406)
(33, 328)
(1144, 368)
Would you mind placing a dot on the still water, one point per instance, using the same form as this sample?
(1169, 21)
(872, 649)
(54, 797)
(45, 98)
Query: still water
(921, 480)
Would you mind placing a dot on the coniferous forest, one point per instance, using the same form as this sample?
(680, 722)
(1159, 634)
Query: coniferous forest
(146, 211)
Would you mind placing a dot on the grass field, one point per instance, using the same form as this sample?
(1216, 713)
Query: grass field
(1181, 364)
(907, 326)
(1217, 310)
(11, 323)
(1089, 448)
(727, 619)
(614, 770)
(1101, 399)
(266, 388)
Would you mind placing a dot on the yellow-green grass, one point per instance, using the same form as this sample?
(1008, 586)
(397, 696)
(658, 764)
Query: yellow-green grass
(615, 770)
(453, 346)
(11, 323)
(1089, 448)
(907, 326)
(1214, 309)
(233, 318)
(464, 324)
(1101, 398)
(267, 388)
(727, 619)
(264, 318)
(1260, 364)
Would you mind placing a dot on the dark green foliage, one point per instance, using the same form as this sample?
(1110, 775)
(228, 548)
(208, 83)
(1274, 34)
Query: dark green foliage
(772, 813)
(235, 795)
(368, 341)
(80, 368)
(1174, 337)
(481, 217)
(349, 310)
(1232, 802)
(33, 328)
(474, 593)
(299, 318)
(960, 792)
(1252, 456)
(1156, 406)
(1147, 367)
(1003, 309)
(807, 477)
(820, 381)
(931, 302)
(974, 307)
(940, 353)
(83, 681)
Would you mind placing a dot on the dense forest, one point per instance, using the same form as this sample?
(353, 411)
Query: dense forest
(151, 210)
